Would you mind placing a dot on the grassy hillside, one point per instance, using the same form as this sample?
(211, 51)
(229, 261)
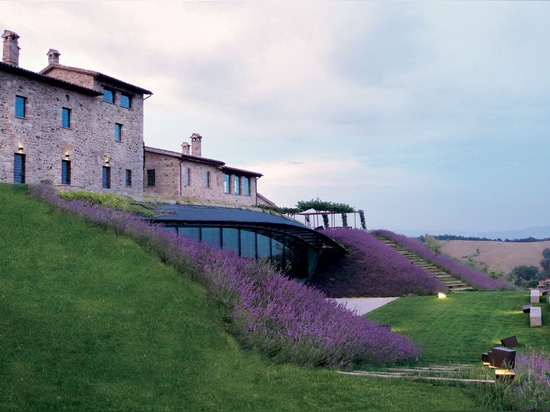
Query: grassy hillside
(500, 256)
(91, 322)
(461, 327)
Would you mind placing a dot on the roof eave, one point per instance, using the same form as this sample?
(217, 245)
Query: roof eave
(8, 68)
(99, 76)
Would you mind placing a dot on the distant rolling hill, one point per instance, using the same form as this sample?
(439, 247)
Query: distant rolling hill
(500, 256)
(539, 232)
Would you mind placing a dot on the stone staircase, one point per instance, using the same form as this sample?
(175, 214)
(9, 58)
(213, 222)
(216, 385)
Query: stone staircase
(450, 282)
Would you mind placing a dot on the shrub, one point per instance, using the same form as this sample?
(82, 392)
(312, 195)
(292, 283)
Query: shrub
(467, 274)
(265, 311)
(372, 268)
(109, 200)
(528, 391)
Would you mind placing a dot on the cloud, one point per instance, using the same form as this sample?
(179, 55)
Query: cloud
(420, 112)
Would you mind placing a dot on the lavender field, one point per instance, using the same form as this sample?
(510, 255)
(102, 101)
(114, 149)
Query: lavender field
(264, 310)
(478, 279)
(371, 268)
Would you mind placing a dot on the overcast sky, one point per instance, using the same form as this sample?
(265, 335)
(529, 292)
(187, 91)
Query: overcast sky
(430, 116)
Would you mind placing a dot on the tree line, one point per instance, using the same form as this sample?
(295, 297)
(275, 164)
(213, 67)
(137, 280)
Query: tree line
(474, 238)
(528, 276)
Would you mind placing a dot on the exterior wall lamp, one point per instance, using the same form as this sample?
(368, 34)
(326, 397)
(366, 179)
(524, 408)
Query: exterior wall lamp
(20, 150)
(107, 160)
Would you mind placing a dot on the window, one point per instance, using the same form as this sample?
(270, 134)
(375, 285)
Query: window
(118, 132)
(125, 100)
(108, 95)
(246, 184)
(207, 179)
(237, 185)
(212, 236)
(226, 183)
(19, 168)
(65, 172)
(128, 178)
(65, 117)
(106, 178)
(151, 178)
(230, 239)
(20, 106)
(186, 177)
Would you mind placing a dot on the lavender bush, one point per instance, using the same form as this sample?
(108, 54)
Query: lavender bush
(473, 277)
(530, 390)
(371, 268)
(265, 311)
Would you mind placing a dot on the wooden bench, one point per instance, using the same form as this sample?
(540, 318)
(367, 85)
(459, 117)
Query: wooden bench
(535, 316)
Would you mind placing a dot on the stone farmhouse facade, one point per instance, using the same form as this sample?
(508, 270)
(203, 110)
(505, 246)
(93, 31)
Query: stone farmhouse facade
(80, 129)
(70, 127)
(191, 176)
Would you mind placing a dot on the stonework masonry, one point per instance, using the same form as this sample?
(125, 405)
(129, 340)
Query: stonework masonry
(80, 129)
(179, 175)
(62, 126)
(88, 143)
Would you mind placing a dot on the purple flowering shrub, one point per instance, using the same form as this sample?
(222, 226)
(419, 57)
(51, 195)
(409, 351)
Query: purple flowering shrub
(530, 390)
(264, 310)
(457, 269)
(371, 268)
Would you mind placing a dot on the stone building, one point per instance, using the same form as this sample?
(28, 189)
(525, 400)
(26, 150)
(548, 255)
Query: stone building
(69, 127)
(190, 176)
(76, 128)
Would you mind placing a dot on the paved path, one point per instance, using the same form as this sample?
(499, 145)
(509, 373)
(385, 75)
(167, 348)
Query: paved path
(364, 305)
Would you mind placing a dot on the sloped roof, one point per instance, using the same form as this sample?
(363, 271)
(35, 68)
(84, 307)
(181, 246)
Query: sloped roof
(242, 218)
(199, 159)
(8, 68)
(99, 76)
(235, 171)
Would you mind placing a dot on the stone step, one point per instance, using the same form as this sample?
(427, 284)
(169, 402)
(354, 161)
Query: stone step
(444, 277)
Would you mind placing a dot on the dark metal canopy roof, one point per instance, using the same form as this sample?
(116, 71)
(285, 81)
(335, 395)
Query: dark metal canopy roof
(196, 215)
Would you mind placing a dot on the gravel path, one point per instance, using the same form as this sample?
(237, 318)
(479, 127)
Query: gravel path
(364, 305)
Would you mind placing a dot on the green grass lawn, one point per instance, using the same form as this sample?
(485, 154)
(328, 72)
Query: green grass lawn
(461, 327)
(89, 321)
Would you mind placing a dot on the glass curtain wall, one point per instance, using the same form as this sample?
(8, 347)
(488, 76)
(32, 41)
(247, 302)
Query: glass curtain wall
(293, 257)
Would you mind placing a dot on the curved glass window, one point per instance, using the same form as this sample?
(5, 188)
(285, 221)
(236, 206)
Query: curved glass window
(230, 239)
(212, 236)
(192, 232)
(264, 246)
(248, 244)
(290, 255)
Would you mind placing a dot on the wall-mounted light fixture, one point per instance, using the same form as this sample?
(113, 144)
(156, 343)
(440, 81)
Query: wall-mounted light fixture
(67, 157)
(20, 150)
(107, 160)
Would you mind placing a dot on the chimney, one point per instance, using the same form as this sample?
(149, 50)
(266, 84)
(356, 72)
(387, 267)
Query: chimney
(11, 48)
(196, 144)
(185, 148)
(53, 56)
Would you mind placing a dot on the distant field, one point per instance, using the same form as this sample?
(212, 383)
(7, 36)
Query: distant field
(501, 256)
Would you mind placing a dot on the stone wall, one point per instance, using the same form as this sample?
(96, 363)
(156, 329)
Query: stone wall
(88, 142)
(170, 181)
(83, 78)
